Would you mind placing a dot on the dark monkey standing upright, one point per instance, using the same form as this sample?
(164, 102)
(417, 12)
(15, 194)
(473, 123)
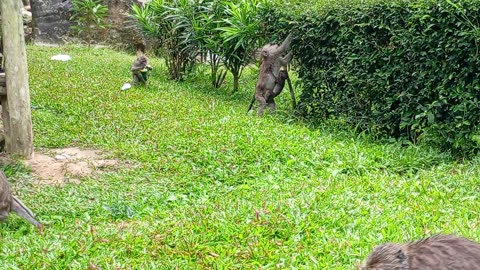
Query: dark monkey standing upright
(440, 252)
(272, 60)
(270, 95)
(9, 203)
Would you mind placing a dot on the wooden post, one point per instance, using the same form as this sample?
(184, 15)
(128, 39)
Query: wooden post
(4, 103)
(19, 136)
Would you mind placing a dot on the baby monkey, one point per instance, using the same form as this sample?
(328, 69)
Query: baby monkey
(140, 69)
(440, 252)
(9, 203)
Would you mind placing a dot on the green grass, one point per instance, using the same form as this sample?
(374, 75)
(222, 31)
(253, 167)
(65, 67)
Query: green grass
(214, 188)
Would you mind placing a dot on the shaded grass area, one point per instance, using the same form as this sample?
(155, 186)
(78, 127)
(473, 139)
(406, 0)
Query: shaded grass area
(214, 187)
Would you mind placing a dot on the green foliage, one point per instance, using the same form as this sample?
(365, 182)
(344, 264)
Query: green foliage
(226, 32)
(209, 41)
(204, 186)
(13, 167)
(89, 17)
(406, 69)
(120, 211)
(168, 23)
(240, 33)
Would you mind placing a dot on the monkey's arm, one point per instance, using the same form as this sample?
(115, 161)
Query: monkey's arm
(286, 43)
(278, 89)
(280, 82)
(286, 59)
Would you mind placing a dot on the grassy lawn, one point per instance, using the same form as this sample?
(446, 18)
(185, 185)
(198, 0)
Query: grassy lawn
(214, 188)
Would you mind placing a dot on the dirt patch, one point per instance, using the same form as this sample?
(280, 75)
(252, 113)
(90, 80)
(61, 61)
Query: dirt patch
(68, 165)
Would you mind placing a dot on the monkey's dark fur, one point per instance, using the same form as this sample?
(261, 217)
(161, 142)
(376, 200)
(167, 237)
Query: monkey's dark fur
(139, 67)
(9, 203)
(271, 94)
(440, 252)
(271, 62)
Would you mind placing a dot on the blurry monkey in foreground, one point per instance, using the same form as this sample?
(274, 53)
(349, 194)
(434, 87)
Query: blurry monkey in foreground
(140, 69)
(9, 203)
(440, 252)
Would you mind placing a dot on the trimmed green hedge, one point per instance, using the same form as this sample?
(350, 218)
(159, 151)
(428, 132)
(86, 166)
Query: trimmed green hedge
(404, 69)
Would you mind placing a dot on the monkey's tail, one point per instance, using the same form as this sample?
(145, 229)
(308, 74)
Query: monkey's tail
(251, 103)
(292, 93)
(23, 211)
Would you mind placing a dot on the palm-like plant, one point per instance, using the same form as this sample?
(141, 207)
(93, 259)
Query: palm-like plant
(225, 31)
(208, 41)
(168, 23)
(239, 32)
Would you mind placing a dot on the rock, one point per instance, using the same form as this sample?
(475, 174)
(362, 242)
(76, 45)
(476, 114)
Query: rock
(51, 20)
(60, 157)
(61, 57)
(122, 27)
(52, 23)
(126, 86)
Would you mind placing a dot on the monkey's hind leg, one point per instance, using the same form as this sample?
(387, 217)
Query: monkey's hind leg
(271, 105)
(138, 78)
(262, 103)
(3, 215)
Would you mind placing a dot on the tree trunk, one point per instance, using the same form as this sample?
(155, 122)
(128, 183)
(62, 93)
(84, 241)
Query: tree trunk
(236, 77)
(19, 137)
(214, 69)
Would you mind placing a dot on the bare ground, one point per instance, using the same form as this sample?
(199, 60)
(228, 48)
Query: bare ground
(67, 165)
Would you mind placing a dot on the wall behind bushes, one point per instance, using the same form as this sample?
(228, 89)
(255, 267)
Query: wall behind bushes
(403, 69)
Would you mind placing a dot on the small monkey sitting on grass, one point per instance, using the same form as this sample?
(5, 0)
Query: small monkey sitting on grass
(140, 70)
(440, 252)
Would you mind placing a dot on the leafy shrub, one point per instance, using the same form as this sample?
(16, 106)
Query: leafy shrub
(89, 17)
(226, 31)
(406, 69)
(166, 21)
(208, 41)
(239, 32)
